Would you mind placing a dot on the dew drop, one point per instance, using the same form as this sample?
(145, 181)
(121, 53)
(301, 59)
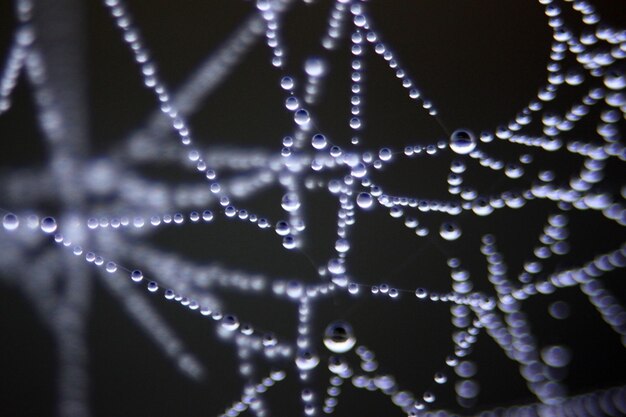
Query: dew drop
(462, 141)
(337, 365)
(385, 154)
(307, 360)
(467, 388)
(314, 67)
(482, 207)
(440, 378)
(319, 141)
(301, 117)
(290, 202)
(364, 200)
(450, 231)
(230, 323)
(465, 369)
(615, 80)
(10, 221)
(339, 337)
(111, 267)
(294, 289)
(559, 310)
(342, 245)
(286, 83)
(556, 356)
(384, 382)
(291, 103)
(429, 397)
(136, 275)
(289, 242)
(48, 225)
(269, 340)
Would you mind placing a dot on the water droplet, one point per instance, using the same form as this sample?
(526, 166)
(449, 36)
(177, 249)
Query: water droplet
(10, 221)
(294, 289)
(153, 286)
(230, 323)
(289, 242)
(342, 245)
(307, 360)
(286, 83)
(429, 397)
(465, 369)
(615, 80)
(482, 207)
(111, 267)
(556, 356)
(136, 275)
(48, 225)
(385, 154)
(230, 211)
(359, 170)
(291, 103)
(559, 310)
(269, 340)
(278, 375)
(364, 200)
(450, 231)
(290, 202)
(384, 382)
(440, 378)
(574, 78)
(467, 388)
(513, 171)
(421, 293)
(462, 141)
(319, 141)
(246, 329)
(337, 365)
(301, 117)
(339, 337)
(314, 67)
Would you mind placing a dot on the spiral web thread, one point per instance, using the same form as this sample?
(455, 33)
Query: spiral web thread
(599, 51)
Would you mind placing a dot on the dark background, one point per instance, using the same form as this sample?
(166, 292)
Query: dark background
(478, 61)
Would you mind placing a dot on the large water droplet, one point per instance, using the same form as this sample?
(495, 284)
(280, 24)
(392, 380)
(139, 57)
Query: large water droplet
(339, 337)
(319, 141)
(301, 117)
(462, 141)
(364, 200)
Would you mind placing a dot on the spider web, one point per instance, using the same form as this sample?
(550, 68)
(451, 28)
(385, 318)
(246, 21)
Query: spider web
(486, 254)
